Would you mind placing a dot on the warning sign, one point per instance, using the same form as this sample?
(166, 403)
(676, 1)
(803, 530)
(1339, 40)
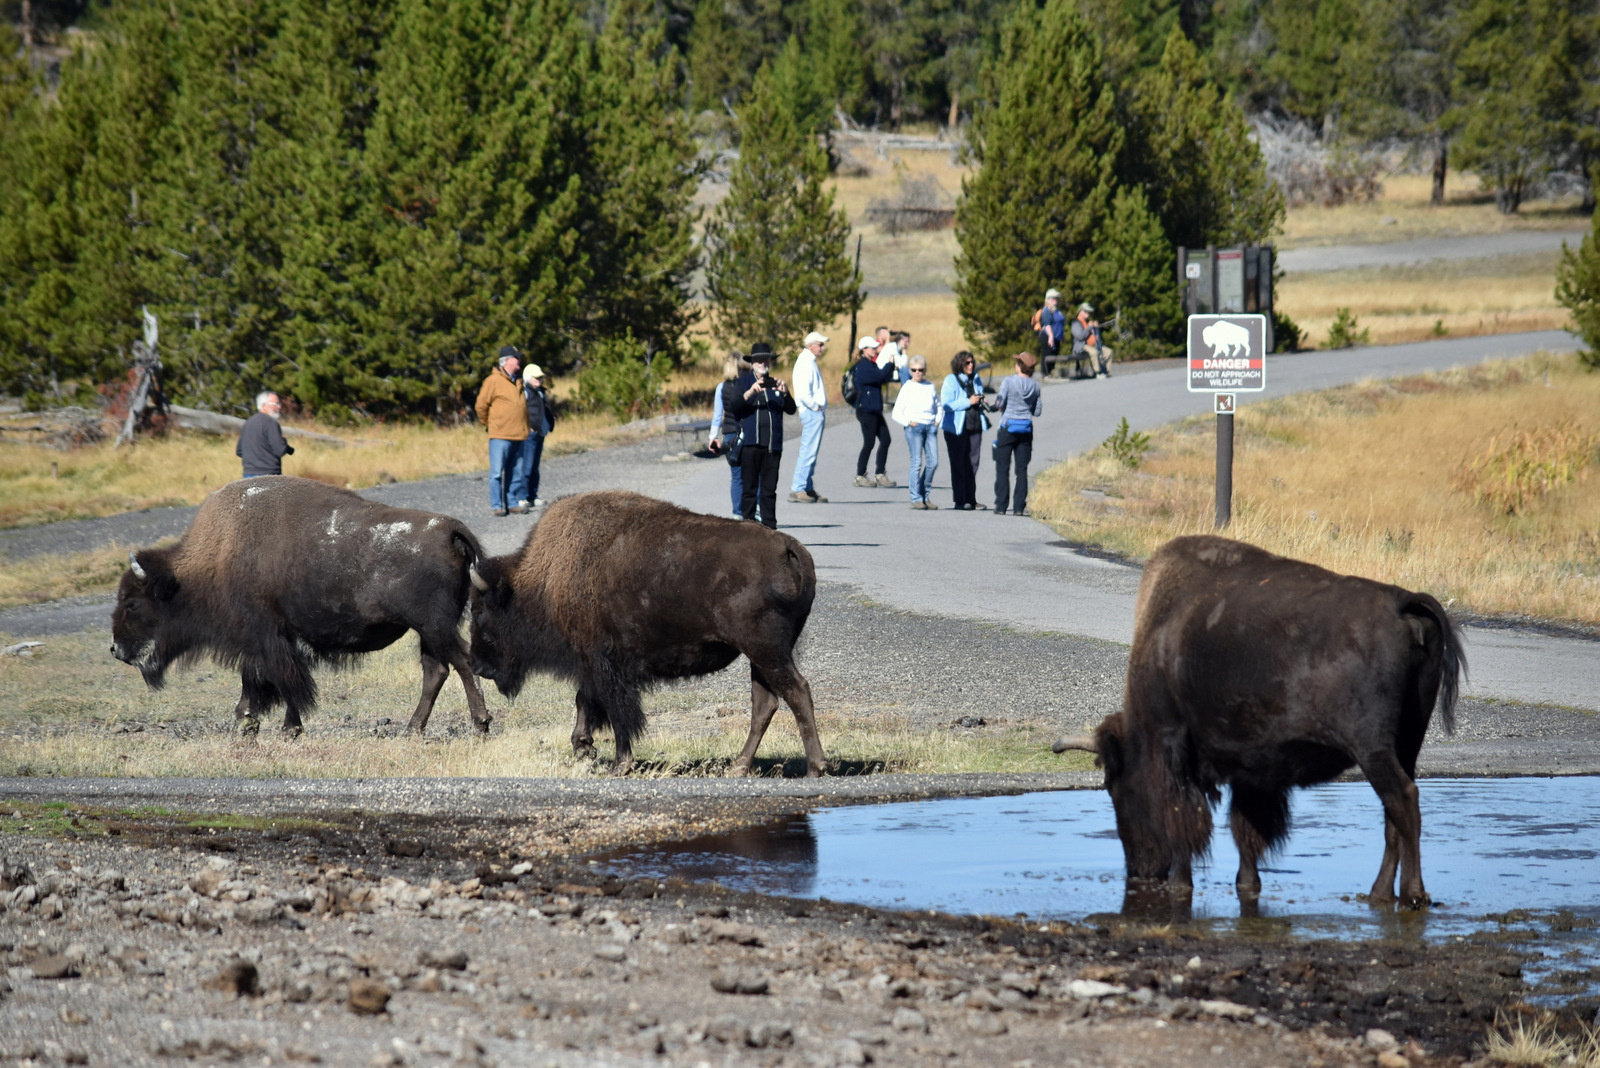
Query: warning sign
(1227, 353)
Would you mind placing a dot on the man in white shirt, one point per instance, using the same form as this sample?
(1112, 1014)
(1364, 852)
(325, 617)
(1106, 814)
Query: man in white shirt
(811, 397)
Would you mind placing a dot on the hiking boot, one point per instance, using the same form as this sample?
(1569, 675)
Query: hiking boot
(799, 497)
(930, 506)
(918, 505)
(500, 511)
(997, 511)
(863, 480)
(817, 498)
(521, 508)
(883, 480)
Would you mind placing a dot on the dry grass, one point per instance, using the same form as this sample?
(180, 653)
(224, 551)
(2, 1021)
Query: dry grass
(1531, 1040)
(1405, 199)
(48, 578)
(1467, 298)
(63, 710)
(1366, 480)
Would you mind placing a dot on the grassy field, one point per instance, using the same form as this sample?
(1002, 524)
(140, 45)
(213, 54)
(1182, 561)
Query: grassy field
(1403, 211)
(1475, 485)
(1461, 298)
(73, 710)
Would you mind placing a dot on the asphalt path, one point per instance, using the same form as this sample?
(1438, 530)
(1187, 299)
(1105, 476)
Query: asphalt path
(1422, 250)
(1016, 571)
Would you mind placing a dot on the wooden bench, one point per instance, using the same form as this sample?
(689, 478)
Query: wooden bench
(692, 433)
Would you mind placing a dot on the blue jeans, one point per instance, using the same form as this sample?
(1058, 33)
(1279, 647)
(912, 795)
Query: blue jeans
(532, 450)
(805, 466)
(924, 443)
(505, 466)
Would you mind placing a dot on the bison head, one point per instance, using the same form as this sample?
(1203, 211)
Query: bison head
(495, 630)
(144, 602)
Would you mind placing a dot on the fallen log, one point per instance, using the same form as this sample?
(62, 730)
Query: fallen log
(217, 423)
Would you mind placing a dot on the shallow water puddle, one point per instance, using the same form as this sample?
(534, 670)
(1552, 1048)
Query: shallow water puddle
(1525, 847)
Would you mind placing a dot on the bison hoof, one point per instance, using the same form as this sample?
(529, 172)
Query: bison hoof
(621, 768)
(738, 770)
(585, 751)
(250, 726)
(483, 725)
(293, 732)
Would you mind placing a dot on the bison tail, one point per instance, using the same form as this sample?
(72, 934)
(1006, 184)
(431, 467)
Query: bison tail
(1453, 661)
(466, 543)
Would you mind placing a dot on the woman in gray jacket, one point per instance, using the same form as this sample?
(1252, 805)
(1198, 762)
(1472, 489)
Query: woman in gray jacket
(1018, 404)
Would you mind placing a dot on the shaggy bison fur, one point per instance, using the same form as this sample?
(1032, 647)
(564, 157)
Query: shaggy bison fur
(277, 574)
(615, 591)
(1264, 673)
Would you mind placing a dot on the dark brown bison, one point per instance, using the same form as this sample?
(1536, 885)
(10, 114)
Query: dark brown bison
(1265, 674)
(278, 574)
(614, 592)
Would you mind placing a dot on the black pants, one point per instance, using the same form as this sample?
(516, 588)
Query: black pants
(872, 426)
(1007, 445)
(964, 451)
(758, 471)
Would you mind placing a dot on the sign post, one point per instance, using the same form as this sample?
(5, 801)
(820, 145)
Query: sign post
(1227, 356)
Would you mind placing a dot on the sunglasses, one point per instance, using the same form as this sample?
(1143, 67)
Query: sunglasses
(919, 370)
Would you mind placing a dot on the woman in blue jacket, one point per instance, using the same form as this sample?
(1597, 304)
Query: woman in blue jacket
(963, 424)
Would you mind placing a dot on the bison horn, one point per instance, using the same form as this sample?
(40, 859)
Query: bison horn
(133, 565)
(1084, 742)
(477, 579)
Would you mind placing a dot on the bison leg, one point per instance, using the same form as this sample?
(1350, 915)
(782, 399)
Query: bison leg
(462, 662)
(590, 714)
(1402, 833)
(765, 689)
(246, 718)
(434, 674)
(1259, 819)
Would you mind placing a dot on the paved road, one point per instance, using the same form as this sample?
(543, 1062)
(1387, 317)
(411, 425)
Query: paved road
(1425, 250)
(1019, 573)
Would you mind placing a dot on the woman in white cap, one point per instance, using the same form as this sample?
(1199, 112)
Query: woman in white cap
(541, 420)
(869, 412)
(917, 409)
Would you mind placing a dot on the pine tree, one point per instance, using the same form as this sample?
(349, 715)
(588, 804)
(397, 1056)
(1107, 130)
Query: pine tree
(72, 211)
(1047, 156)
(641, 185)
(831, 33)
(1203, 173)
(797, 82)
(1578, 289)
(776, 264)
(1519, 90)
(1129, 273)
(473, 156)
(716, 68)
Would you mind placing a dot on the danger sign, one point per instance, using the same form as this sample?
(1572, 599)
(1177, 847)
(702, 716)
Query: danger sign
(1227, 353)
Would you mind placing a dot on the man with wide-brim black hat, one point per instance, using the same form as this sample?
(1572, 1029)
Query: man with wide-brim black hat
(760, 402)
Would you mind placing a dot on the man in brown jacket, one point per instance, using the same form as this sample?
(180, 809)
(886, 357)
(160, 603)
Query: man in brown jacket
(504, 413)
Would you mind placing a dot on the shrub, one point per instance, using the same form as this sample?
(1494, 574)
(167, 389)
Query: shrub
(1344, 333)
(619, 376)
(1286, 333)
(1578, 288)
(1520, 466)
(1126, 445)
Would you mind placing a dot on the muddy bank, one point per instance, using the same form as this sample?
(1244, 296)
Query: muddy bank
(149, 930)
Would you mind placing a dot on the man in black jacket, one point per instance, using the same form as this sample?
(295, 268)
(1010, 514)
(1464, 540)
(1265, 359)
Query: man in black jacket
(261, 446)
(759, 404)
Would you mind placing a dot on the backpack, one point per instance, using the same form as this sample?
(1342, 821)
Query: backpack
(847, 385)
(1038, 325)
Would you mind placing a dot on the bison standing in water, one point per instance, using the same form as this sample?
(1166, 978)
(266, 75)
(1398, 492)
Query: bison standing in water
(615, 591)
(278, 574)
(1265, 674)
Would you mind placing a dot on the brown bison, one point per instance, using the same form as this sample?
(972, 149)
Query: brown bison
(614, 592)
(277, 574)
(1266, 673)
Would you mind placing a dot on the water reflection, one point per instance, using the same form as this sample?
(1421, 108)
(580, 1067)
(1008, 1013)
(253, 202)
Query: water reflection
(1488, 846)
(771, 858)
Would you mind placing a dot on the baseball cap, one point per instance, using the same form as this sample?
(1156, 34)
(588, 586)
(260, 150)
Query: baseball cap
(1027, 360)
(814, 337)
(1052, 294)
(1086, 307)
(532, 371)
(868, 342)
(510, 350)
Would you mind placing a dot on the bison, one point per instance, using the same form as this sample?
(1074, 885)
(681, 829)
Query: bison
(278, 574)
(614, 591)
(1226, 339)
(1266, 673)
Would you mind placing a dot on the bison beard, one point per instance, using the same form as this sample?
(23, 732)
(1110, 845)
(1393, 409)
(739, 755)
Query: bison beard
(276, 575)
(615, 592)
(1264, 673)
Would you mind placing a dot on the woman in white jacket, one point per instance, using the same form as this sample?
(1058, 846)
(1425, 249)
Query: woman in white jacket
(917, 409)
